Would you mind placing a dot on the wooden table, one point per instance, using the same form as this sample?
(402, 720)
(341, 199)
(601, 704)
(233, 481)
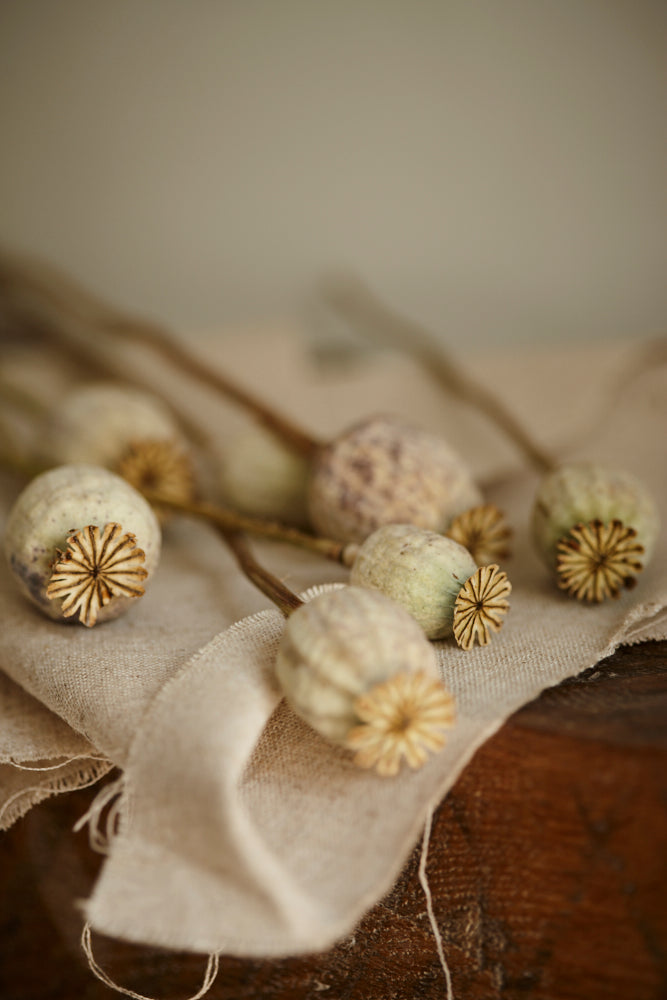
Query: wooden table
(547, 866)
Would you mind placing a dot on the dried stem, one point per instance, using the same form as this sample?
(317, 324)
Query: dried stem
(230, 520)
(154, 337)
(31, 304)
(62, 304)
(359, 306)
(284, 599)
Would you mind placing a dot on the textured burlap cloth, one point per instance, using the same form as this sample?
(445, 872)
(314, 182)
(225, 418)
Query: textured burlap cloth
(240, 830)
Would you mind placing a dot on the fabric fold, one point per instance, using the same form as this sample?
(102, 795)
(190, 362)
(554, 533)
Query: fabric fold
(229, 691)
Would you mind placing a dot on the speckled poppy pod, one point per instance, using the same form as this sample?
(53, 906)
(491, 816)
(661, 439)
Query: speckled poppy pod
(81, 543)
(595, 528)
(384, 471)
(126, 430)
(436, 580)
(359, 670)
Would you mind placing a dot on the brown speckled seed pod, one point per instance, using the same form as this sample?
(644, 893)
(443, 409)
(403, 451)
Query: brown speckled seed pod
(384, 471)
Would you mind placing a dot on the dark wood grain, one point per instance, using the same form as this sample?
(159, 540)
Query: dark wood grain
(547, 865)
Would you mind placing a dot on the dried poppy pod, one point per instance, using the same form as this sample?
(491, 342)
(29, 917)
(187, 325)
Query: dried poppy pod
(484, 532)
(126, 430)
(81, 541)
(261, 476)
(436, 580)
(595, 528)
(384, 471)
(359, 670)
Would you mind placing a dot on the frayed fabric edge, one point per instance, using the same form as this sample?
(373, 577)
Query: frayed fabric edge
(644, 623)
(68, 776)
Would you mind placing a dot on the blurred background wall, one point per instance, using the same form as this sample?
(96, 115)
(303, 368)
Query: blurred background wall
(496, 167)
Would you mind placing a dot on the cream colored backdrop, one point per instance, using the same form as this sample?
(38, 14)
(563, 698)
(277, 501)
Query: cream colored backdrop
(496, 166)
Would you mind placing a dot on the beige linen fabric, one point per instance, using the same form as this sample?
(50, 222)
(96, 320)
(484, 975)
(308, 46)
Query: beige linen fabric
(39, 754)
(240, 829)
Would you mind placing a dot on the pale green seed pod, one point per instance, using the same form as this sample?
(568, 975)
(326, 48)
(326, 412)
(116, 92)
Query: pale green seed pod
(97, 422)
(359, 670)
(420, 570)
(384, 471)
(80, 540)
(595, 528)
(436, 580)
(126, 430)
(262, 477)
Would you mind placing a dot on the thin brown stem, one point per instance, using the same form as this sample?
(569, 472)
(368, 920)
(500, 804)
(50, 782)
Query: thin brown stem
(230, 520)
(32, 285)
(155, 338)
(359, 306)
(27, 305)
(284, 599)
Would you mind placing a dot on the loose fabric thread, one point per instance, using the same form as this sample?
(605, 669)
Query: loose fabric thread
(54, 767)
(423, 879)
(100, 840)
(210, 972)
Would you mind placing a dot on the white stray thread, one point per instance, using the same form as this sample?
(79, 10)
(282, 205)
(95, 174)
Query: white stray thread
(100, 840)
(210, 972)
(429, 902)
(54, 767)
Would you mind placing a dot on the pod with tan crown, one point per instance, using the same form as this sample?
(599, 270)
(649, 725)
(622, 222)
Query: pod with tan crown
(595, 528)
(82, 543)
(359, 670)
(436, 580)
(125, 429)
